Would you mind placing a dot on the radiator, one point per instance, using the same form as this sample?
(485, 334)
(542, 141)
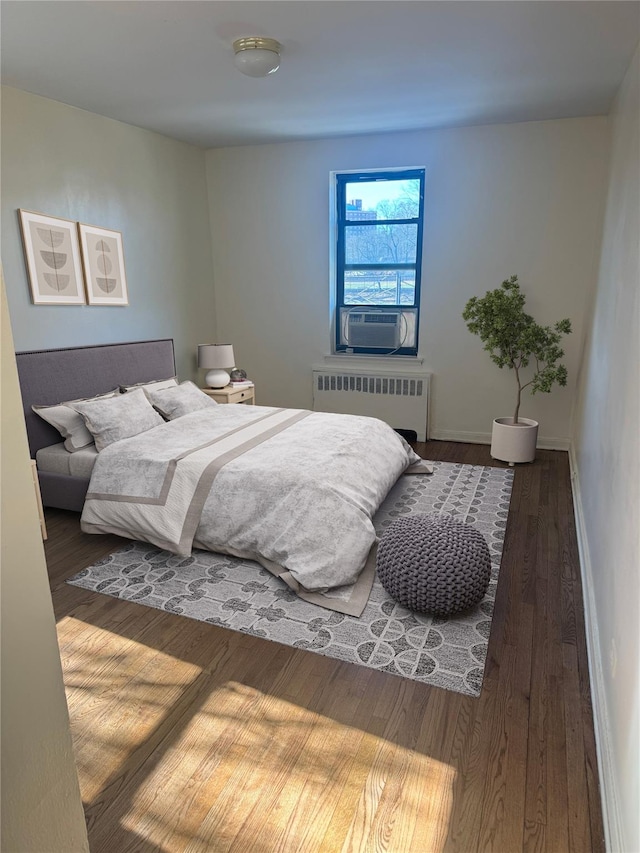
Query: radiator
(402, 400)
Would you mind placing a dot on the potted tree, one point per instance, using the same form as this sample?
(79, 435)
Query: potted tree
(513, 339)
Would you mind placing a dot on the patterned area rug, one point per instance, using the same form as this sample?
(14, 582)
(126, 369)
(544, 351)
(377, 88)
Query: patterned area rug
(241, 595)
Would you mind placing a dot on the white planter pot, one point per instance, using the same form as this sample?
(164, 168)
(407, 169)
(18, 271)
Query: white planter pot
(514, 442)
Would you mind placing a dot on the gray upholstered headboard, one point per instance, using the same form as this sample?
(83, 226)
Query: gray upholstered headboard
(53, 376)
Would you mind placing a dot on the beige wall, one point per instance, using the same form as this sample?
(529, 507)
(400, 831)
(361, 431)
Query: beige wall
(67, 162)
(520, 198)
(41, 806)
(607, 463)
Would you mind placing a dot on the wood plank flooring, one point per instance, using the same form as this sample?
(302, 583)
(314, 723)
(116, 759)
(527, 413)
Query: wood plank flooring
(190, 737)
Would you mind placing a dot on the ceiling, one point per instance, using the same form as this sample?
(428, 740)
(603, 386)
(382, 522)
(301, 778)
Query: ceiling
(347, 67)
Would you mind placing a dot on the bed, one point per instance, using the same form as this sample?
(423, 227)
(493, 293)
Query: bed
(51, 376)
(292, 489)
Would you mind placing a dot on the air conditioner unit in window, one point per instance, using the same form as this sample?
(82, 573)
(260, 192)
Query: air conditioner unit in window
(374, 329)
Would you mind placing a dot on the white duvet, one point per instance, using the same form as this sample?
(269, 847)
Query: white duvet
(289, 487)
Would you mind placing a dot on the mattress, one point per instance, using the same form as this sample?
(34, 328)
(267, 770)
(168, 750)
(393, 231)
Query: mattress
(56, 459)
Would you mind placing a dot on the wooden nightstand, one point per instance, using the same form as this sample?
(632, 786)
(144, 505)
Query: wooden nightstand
(232, 395)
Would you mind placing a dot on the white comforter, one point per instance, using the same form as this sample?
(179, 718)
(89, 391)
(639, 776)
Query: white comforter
(288, 487)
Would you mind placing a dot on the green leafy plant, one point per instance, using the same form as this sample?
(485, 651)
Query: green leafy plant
(513, 338)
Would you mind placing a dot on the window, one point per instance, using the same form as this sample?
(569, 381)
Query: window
(379, 220)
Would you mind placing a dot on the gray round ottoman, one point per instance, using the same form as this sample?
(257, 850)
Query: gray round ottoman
(434, 564)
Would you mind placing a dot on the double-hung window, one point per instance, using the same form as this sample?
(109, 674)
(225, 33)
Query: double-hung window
(379, 220)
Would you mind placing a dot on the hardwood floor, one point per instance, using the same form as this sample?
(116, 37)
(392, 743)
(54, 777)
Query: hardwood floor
(190, 737)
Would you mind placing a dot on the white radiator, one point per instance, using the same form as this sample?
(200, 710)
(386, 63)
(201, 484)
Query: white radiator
(402, 400)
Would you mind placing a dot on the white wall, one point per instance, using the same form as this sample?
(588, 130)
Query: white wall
(522, 199)
(606, 458)
(71, 163)
(41, 806)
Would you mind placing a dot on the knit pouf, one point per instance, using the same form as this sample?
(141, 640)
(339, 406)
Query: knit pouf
(434, 564)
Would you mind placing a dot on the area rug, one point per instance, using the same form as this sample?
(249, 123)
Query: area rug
(241, 595)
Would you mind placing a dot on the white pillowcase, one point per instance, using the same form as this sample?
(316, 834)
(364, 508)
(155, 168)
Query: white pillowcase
(118, 417)
(182, 400)
(156, 385)
(69, 423)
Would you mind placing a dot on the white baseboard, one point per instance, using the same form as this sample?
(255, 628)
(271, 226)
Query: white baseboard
(608, 784)
(459, 435)
(544, 442)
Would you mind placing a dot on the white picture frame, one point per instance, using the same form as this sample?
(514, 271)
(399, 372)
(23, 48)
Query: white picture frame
(103, 263)
(52, 255)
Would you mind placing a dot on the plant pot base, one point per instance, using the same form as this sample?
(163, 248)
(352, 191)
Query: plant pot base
(514, 442)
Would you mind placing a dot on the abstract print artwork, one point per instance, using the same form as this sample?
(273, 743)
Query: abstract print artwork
(103, 260)
(53, 259)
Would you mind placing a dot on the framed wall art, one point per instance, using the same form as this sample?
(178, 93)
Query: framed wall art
(53, 259)
(103, 261)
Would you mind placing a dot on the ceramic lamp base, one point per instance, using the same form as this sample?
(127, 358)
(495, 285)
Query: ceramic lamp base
(217, 378)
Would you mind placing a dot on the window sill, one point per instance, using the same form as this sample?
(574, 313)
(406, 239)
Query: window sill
(371, 360)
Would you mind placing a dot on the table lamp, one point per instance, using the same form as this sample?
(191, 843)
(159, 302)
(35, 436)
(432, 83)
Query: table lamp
(215, 357)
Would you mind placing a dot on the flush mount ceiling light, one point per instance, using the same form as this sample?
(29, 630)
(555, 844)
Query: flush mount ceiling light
(257, 56)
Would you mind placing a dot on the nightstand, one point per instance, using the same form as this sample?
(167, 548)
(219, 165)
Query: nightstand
(232, 395)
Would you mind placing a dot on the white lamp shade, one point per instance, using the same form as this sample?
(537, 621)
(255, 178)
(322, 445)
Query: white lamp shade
(215, 357)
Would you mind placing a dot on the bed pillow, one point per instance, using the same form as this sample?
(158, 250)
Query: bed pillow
(155, 385)
(118, 417)
(70, 423)
(178, 401)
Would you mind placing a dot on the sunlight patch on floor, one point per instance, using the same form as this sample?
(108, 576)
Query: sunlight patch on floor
(261, 773)
(220, 765)
(127, 691)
